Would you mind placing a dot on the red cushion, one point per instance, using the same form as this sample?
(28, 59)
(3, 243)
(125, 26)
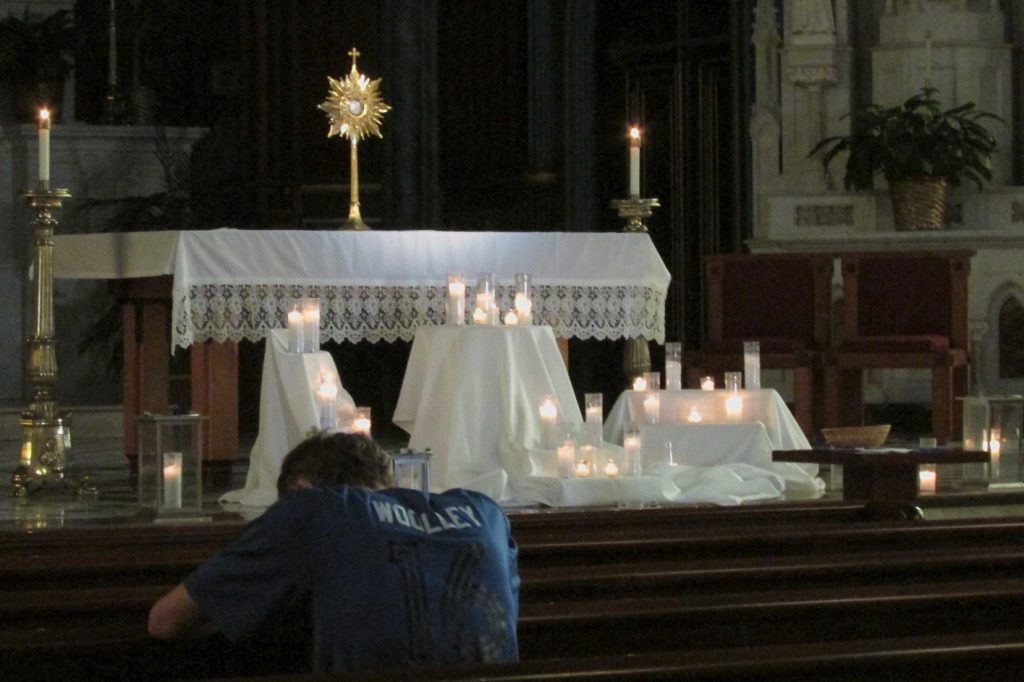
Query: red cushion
(727, 346)
(922, 343)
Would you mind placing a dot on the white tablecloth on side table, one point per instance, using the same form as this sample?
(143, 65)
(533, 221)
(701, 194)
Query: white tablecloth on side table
(470, 391)
(288, 411)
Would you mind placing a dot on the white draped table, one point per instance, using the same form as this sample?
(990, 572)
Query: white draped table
(231, 285)
(471, 394)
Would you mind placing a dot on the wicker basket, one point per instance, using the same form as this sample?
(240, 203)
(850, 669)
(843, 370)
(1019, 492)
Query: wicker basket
(857, 436)
(919, 204)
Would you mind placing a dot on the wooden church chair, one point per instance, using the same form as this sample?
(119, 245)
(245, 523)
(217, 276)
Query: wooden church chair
(780, 300)
(902, 310)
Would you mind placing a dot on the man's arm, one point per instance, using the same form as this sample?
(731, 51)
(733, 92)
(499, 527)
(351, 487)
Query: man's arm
(176, 614)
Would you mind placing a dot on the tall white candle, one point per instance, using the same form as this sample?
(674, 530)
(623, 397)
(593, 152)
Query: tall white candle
(631, 444)
(311, 324)
(634, 162)
(295, 331)
(44, 146)
(327, 396)
(172, 480)
(456, 300)
(566, 459)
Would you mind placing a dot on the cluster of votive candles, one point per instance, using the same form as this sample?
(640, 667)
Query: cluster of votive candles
(327, 403)
(650, 384)
(576, 460)
(304, 325)
(486, 311)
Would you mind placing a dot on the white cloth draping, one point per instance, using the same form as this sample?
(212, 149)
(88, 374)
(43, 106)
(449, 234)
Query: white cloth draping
(763, 405)
(288, 412)
(471, 395)
(231, 285)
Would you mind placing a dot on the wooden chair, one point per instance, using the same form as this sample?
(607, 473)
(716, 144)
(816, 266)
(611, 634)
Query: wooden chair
(779, 300)
(902, 310)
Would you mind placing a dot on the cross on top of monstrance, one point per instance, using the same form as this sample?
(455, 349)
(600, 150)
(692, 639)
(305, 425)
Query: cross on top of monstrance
(354, 107)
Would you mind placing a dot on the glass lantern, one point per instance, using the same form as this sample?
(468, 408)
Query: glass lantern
(411, 469)
(993, 424)
(171, 463)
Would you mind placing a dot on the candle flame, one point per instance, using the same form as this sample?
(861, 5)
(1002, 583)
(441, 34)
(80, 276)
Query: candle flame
(634, 133)
(44, 114)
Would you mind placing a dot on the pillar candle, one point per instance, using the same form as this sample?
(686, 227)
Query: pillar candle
(456, 313)
(327, 396)
(295, 331)
(634, 162)
(566, 459)
(652, 406)
(44, 146)
(172, 480)
(631, 444)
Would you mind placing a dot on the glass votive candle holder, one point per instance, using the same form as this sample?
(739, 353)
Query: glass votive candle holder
(327, 401)
(567, 458)
(733, 381)
(295, 327)
(652, 407)
(362, 423)
(523, 299)
(640, 383)
(653, 380)
(311, 325)
(927, 476)
(707, 383)
(547, 409)
(594, 408)
(455, 303)
(632, 447)
(485, 305)
(673, 366)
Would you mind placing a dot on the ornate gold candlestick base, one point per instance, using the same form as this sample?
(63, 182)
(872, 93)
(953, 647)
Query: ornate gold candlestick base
(635, 209)
(636, 356)
(46, 433)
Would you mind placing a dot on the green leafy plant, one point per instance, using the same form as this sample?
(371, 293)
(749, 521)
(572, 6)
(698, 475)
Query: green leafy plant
(915, 140)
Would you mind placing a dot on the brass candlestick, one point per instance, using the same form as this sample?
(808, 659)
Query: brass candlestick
(636, 356)
(635, 209)
(46, 432)
(354, 107)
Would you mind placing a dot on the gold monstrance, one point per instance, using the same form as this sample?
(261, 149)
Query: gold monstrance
(355, 108)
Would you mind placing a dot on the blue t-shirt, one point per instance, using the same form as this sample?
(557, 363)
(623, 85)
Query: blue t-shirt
(395, 577)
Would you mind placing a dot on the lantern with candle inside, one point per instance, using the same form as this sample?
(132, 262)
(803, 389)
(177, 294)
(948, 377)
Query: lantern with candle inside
(362, 422)
(993, 423)
(327, 401)
(170, 463)
(311, 324)
(411, 469)
(673, 366)
(523, 300)
(455, 303)
(295, 327)
(632, 447)
(548, 411)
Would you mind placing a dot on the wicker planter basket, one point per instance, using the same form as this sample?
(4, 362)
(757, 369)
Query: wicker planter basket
(919, 204)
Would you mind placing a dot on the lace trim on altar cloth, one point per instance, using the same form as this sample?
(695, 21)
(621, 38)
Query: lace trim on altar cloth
(237, 312)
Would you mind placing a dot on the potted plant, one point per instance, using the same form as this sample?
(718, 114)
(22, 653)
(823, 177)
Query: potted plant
(921, 150)
(35, 58)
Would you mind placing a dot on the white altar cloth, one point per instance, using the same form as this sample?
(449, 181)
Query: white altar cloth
(230, 285)
(288, 411)
(471, 394)
(763, 405)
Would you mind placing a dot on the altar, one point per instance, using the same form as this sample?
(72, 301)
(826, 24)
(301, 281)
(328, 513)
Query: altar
(219, 287)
